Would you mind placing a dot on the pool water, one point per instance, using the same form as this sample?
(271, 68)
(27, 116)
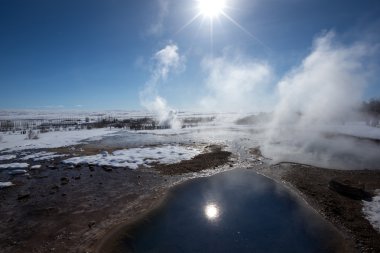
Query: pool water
(234, 211)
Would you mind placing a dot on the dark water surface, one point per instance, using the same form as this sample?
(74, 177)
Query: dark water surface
(235, 211)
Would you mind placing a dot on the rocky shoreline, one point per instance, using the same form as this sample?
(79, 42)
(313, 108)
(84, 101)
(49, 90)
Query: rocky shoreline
(341, 208)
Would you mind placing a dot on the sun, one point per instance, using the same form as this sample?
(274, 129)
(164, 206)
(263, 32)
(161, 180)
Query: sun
(211, 8)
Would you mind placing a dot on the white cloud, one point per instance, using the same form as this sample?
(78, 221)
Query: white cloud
(236, 84)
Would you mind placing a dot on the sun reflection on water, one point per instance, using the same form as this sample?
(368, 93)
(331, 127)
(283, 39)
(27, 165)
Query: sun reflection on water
(212, 211)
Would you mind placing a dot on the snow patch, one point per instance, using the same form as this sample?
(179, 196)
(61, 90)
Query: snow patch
(40, 156)
(38, 166)
(15, 142)
(7, 157)
(17, 172)
(14, 165)
(371, 210)
(135, 157)
(5, 184)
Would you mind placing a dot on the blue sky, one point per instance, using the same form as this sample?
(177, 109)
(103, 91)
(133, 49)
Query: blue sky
(92, 54)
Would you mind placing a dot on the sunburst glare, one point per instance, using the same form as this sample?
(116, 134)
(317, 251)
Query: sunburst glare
(211, 8)
(216, 9)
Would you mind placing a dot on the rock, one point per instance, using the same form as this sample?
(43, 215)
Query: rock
(108, 169)
(64, 180)
(256, 152)
(23, 195)
(55, 187)
(91, 224)
(77, 177)
(345, 189)
(52, 167)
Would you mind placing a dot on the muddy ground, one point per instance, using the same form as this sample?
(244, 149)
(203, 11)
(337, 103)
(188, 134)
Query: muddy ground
(340, 208)
(64, 208)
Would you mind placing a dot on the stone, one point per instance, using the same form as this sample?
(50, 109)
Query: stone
(64, 180)
(23, 195)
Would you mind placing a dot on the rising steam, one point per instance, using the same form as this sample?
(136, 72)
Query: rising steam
(165, 61)
(236, 84)
(316, 99)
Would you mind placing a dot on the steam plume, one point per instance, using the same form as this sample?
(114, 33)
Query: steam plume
(165, 61)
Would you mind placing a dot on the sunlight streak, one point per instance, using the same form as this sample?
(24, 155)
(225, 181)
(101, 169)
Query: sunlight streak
(189, 22)
(233, 21)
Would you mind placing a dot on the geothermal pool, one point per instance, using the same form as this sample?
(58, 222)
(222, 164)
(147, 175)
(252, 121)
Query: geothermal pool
(235, 211)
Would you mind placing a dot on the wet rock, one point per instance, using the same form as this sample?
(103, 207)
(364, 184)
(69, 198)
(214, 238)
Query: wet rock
(344, 188)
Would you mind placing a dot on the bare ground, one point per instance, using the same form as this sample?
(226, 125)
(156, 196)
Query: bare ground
(62, 208)
(343, 211)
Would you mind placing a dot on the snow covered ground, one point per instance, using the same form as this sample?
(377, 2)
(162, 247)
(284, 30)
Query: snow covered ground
(7, 157)
(5, 184)
(135, 157)
(16, 142)
(62, 113)
(371, 210)
(40, 156)
(14, 165)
